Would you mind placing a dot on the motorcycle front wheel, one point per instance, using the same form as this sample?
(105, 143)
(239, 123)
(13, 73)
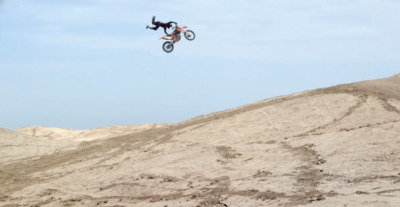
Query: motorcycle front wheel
(168, 47)
(189, 34)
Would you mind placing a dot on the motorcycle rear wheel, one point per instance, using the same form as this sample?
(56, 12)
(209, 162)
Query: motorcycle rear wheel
(168, 47)
(189, 34)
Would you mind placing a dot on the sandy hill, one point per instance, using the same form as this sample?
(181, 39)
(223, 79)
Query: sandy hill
(337, 146)
(15, 146)
(53, 133)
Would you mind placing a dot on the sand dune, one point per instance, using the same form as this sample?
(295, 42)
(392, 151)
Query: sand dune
(53, 133)
(337, 146)
(15, 146)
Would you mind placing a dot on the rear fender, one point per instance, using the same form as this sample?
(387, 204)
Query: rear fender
(166, 38)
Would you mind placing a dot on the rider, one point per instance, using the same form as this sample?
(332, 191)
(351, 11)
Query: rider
(160, 24)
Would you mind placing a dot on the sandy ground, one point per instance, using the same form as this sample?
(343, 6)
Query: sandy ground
(338, 146)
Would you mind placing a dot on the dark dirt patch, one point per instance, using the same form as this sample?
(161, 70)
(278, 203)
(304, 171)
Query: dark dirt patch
(262, 174)
(227, 152)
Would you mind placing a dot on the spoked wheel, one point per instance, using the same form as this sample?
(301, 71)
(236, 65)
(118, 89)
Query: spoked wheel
(189, 34)
(168, 47)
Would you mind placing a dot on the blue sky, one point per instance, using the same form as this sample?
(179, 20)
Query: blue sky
(85, 64)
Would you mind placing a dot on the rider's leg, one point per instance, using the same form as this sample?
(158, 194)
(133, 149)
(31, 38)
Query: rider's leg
(157, 25)
(153, 28)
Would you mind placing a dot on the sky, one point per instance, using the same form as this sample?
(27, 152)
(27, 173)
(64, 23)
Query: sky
(84, 64)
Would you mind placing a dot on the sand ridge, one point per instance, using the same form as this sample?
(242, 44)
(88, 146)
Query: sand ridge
(84, 135)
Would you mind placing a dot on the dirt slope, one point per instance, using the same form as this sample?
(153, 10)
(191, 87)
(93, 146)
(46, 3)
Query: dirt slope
(84, 135)
(338, 146)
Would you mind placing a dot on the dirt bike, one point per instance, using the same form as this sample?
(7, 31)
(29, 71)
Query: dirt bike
(175, 37)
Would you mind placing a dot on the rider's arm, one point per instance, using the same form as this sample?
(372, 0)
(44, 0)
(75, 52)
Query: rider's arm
(172, 22)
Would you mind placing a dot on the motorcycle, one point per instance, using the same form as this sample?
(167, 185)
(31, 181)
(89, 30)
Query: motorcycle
(175, 37)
